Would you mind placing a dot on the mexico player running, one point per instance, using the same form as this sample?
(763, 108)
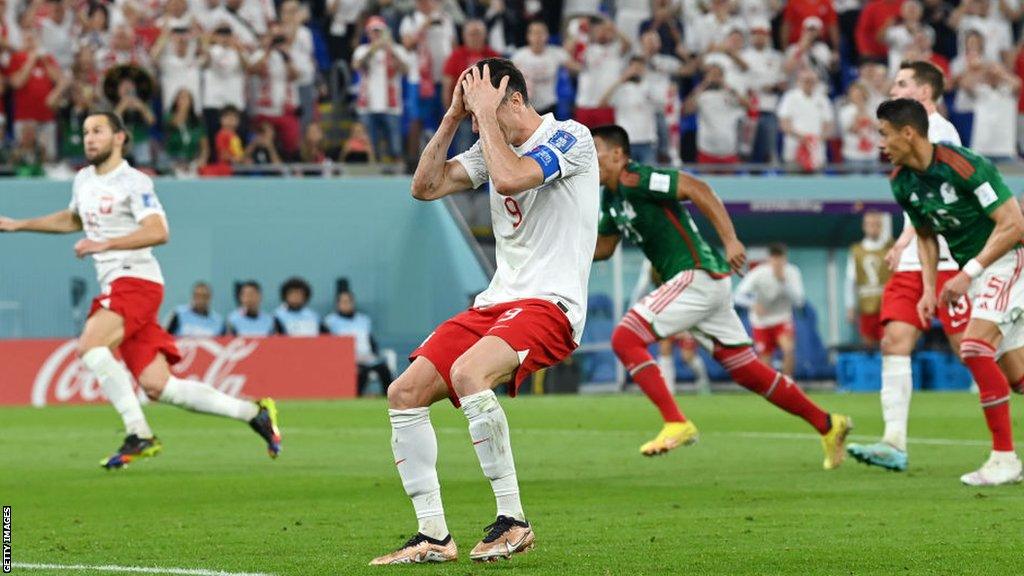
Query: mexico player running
(117, 208)
(902, 326)
(643, 204)
(544, 196)
(952, 191)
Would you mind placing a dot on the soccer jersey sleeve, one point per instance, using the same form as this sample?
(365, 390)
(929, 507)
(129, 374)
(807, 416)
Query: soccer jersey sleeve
(652, 183)
(606, 224)
(987, 186)
(473, 161)
(143, 198)
(567, 152)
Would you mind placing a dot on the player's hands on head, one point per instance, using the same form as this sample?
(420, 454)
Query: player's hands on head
(736, 255)
(479, 95)
(85, 247)
(457, 109)
(8, 224)
(926, 307)
(955, 288)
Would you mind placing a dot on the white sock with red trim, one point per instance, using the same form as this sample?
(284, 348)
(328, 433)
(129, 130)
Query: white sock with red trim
(201, 397)
(897, 383)
(414, 445)
(667, 365)
(116, 383)
(488, 428)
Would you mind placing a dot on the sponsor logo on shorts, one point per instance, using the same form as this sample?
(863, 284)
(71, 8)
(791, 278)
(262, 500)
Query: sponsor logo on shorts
(957, 324)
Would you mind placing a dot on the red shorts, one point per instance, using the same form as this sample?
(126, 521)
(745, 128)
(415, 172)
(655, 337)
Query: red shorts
(766, 340)
(871, 327)
(594, 117)
(903, 291)
(537, 329)
(703, 158)
(137, 302)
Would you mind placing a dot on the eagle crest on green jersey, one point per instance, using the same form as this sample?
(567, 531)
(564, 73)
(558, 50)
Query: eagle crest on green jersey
(953, 197)
(646, 211)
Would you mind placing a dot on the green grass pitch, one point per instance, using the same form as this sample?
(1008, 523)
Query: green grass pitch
(750, 498)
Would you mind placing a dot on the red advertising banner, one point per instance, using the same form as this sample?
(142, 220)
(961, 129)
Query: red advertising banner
(45, 372)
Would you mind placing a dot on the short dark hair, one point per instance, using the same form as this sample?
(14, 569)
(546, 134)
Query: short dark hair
(777, 249)
(239, 286)
(613, 135)
(202, 284)
(927, 73)
(296, 283)
(230, 109)
(903, 112)
(116, 124)
(501, 67)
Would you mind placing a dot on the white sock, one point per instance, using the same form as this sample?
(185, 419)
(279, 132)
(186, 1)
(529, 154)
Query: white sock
(414, 445)
(488, 428)
(201, 397)
(116, 383)
(700, 372)
(667, 365)
(897, 383)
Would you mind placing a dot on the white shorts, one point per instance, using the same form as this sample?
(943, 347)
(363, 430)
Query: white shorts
(692, 300)
(998, 296)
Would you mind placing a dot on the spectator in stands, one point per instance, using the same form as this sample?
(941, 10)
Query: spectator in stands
(599, 68)
(978, 16)
(262, 149)
(866, 276)
(858, 128)
(223, 76)
(249, 319)
(900, 34)
(429, 33)
(473, 49)
(228, 14)
(75, 107)
(95, 32)
(299, 43)
(995, 91)
(28, 155)
(381, 63)
(805, 114)
(345, 320)
(276, 97)
(849, 13)
(771, 291)
(719, 108)
(55, 30)
(711, 29)
(871, 27)
(177, 14)
(84, 70)
(177, 57)
(312, 149)
(630, 96)
(228, 144)
(766, 80)
(661, 76)
(664, 21)
(811, 53)
(185, 141)
(33, 75)
(196, 319)
(798, 11)
(921, 49)
(357, 148)
(540, 62)
(10, 31)
(122, 49)
(343, 29)
(727, 55)
(875, 78)
(138, 119)
(294, 317)
(971, 62)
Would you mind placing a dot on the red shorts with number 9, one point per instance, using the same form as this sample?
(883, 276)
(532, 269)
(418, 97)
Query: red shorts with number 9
(137, 302)
(904, 290)
(536, 329)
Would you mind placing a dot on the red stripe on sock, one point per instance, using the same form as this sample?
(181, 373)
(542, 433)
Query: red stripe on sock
(632, 351)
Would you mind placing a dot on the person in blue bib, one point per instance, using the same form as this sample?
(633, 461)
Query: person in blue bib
(195, 319)
(249, 319)
(346, 321)
(294, 317)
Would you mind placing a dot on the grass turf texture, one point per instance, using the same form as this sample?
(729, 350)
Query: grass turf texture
(736, 503)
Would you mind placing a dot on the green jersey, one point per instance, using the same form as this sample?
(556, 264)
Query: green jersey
(646, 211)
(953, 197)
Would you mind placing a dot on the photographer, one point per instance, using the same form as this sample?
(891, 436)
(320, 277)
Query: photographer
(719, 108)
(381, 64)
(276, 95)
(630, 96)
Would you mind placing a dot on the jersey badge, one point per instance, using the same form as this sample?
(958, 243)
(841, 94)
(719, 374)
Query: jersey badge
(563, 141)
(986, 194)
(660, 182)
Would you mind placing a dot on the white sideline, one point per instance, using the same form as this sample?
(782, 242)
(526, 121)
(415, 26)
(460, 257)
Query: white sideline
(136, 569)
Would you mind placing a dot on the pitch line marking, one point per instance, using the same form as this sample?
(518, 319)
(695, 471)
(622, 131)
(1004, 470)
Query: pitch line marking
(135, 569)
(800, 436)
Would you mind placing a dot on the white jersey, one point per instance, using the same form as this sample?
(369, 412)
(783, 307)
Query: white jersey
(110, 206)
(942, 131)
(546, 235)
(777, 298)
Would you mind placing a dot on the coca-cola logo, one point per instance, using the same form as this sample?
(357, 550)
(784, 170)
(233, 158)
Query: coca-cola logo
(64, 378)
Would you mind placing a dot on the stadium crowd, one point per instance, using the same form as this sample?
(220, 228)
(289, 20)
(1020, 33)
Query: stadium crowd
(210, 86)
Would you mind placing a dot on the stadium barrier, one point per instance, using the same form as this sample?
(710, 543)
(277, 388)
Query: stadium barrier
(47, 372)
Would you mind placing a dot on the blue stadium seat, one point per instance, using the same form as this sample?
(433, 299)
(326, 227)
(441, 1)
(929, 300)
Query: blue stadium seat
(812, 361)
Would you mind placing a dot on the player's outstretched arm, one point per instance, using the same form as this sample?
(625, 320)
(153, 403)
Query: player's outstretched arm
(711, 206)
(606, 245)
(152, 232)
(436, 176)
(63, 222)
